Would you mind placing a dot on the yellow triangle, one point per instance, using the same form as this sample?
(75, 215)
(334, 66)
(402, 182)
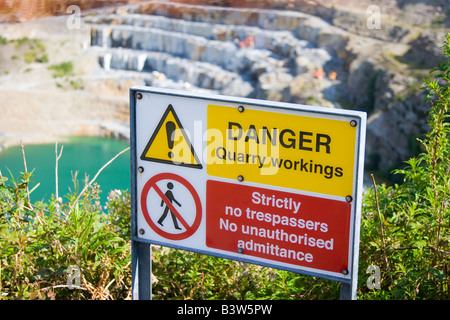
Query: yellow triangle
(169, 143)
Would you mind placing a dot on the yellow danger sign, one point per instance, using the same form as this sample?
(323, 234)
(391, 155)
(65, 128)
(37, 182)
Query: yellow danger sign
(169, 143)
(304, 152)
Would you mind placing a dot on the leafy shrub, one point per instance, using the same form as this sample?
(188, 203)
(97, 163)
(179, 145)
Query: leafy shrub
(405, 228)
(39, 243)
(186, 275)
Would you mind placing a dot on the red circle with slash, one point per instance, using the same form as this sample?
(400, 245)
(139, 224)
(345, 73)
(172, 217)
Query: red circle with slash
(190, 229)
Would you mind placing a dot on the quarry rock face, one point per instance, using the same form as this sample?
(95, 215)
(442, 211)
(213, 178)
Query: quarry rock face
(306, 53)
(256, 52)
(279, 55)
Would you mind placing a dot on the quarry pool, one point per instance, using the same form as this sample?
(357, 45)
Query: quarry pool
(83, 154)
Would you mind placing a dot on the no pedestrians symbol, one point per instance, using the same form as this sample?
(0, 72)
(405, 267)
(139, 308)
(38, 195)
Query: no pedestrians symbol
(167, 193)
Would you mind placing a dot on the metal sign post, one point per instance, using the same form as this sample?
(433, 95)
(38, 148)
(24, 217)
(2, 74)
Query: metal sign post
(140, 251)
(268, 183)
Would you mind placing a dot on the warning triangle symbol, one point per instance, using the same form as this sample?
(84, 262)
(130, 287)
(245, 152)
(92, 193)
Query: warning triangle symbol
(169, 143)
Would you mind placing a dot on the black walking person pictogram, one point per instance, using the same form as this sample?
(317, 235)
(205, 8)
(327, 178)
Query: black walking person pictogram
(171, 198)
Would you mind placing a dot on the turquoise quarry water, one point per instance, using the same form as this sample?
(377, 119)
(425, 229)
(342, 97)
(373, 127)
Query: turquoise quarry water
(83, 154)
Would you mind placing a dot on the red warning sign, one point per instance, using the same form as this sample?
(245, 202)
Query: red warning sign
(283, 227)
(160, 197)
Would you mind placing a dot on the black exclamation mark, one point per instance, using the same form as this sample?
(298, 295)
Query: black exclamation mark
(170, 130)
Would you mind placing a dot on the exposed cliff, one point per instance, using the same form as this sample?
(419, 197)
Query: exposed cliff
(330, 59)
(25, 10)
(311, 52)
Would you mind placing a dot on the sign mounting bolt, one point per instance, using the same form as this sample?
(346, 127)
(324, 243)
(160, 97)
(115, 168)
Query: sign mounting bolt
(141, 231)
(141, 169)
(345, 272)
(353, 123)
(240, 250)
(139, 96)
(240, 178)
(241, 109)
(348, 198)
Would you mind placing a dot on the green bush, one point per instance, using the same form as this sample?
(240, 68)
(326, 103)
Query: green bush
(186, 275)
(405, 228)
(41, 242)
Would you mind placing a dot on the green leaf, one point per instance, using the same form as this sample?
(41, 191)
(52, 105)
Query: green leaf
(438, 274)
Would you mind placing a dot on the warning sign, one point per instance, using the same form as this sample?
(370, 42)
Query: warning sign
(279, 226)
(170, 144)
(279, 185)
(315, 154)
